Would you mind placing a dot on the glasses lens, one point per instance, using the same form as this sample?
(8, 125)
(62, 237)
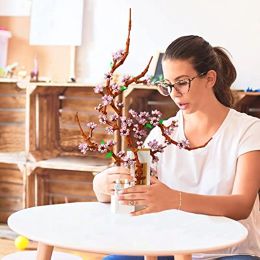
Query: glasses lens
(162, 88)
(182, 86)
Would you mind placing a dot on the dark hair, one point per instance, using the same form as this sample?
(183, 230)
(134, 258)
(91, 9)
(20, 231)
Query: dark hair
(204, 57)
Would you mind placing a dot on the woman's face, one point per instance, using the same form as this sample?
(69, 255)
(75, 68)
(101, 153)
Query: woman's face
(197, 96)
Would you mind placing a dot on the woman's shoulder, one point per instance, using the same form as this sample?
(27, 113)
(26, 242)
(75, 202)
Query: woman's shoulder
(242, 119)
(245, 129)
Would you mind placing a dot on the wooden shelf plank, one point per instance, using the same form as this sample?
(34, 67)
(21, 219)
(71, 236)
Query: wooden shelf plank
(73, 164)
(13, 158)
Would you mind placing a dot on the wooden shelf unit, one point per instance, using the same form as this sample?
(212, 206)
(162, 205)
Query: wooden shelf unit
(40, 162)
(52, 141)
(12, 148)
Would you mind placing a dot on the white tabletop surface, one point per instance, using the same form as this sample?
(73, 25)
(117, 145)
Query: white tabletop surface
(90, 226)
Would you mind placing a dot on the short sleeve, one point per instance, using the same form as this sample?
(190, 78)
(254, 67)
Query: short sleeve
(250, 141)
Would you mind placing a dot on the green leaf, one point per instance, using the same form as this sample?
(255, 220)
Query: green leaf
(161, 121)
(148, 125)
(123, 88)
(109, 154)
(102, 142)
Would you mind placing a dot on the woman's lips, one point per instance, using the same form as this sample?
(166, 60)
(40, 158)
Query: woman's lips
(183, 106)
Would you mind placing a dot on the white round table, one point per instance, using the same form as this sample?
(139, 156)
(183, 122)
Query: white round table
(91, 227)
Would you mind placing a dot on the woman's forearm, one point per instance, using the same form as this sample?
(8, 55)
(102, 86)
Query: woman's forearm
(231, 206)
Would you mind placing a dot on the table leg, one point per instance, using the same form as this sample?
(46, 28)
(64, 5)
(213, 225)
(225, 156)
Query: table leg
(182, 257)
(148, 257)
(44, 251)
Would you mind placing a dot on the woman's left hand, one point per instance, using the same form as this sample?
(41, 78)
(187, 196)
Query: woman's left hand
(155, 197)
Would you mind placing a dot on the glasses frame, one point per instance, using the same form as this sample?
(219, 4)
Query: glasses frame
(168, 86)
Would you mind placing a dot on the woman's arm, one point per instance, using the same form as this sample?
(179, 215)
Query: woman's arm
(104, 182)
(238, 205)
(245, 189)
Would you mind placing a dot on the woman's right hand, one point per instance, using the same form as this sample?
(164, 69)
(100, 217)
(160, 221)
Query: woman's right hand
(104, 182)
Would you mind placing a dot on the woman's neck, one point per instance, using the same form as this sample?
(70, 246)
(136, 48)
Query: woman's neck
(200, 126)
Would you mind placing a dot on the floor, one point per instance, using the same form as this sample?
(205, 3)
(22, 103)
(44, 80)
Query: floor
(7, 247)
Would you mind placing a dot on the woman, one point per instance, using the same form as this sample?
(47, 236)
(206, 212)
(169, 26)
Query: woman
(220, 174)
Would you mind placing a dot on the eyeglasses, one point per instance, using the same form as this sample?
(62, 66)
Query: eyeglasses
(181, 86)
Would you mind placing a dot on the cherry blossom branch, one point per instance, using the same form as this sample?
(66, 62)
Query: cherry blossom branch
(133, 128)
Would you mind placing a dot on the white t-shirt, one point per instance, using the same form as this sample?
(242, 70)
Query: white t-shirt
(211, 170)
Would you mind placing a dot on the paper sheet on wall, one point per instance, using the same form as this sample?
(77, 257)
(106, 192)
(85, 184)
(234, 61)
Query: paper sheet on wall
(56, 22)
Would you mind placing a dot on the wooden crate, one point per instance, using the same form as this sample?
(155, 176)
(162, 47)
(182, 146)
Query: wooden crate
(12, 118)
(63, 186)
(248, 102)
(12, 148)
(12, 190)
(53, 136)
(53, 130)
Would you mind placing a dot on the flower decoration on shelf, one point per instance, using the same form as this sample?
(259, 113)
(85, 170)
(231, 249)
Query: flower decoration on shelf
(133, 128)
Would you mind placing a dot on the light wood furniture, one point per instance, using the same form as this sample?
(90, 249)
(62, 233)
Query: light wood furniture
(40, 162)
(12, 152)
(92, 227)
(56, 170)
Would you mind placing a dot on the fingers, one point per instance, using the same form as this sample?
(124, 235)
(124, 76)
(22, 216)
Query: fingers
(118, 170)
(141, 212)
(135, 189)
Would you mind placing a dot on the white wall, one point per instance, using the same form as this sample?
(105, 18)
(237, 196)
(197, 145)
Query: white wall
(15, 7)
(233, 24)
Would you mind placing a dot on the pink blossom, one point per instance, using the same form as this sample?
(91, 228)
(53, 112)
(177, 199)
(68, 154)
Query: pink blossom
(91, 125)
(121, 154)
(139, 134)
(144, 114)
(184, 144)
(153, 145)
(83, 147)
(117, 55)
(108, 76)
(156, 113)
(115, 88)
(109, 130)
(110, 143)
(154, 121)
(103, 119)
(132, 113)
(98, 89)
(125, 78)
(114, 117)
(142, 121)
(102, 148)
(139, 144)
(106, 100)
(124, 131)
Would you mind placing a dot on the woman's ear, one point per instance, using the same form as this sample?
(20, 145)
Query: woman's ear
(211, 77)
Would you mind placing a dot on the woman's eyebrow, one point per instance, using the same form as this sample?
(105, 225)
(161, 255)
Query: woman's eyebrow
(179, 77)
(176, 79)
